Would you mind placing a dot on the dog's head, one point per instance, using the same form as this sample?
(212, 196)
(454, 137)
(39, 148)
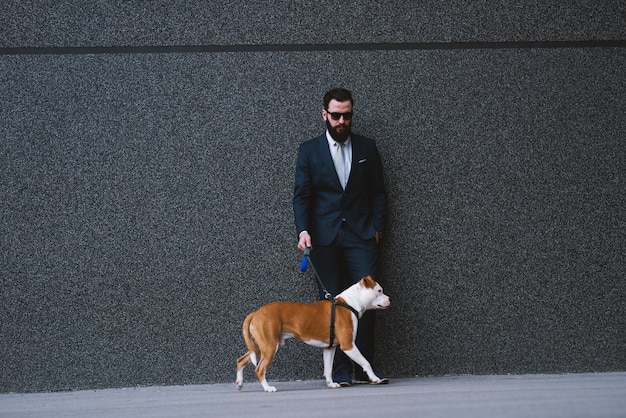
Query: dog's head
(372, 296)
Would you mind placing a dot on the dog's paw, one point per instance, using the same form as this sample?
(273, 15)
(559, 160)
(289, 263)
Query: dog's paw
(270, 389)
(333, 385)
(378, 381)
(238, 385)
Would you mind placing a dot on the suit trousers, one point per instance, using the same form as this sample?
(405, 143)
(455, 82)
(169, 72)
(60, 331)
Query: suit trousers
(339, 265)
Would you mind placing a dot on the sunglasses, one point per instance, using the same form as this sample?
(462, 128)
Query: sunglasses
(338, 115)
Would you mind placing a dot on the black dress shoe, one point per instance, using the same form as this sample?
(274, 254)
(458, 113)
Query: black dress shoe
(344, 381)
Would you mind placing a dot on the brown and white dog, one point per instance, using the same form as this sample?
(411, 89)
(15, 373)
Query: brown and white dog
(267, 328)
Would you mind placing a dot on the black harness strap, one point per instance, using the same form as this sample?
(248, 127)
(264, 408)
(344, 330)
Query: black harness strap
(333, 307)
(329, 297)
(345, 305)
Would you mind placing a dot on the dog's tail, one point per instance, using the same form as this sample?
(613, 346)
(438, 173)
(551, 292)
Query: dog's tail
(251, 355)
(253, 347)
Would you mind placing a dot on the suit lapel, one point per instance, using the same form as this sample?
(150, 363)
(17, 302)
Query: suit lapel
(327, 164)
(357, 150)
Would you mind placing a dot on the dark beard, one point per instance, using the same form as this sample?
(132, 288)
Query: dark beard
(339, 136)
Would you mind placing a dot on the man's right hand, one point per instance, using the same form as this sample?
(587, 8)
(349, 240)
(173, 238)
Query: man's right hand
(304, 241)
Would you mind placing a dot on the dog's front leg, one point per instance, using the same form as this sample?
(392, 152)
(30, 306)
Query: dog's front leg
(358, 358)
(329, 355)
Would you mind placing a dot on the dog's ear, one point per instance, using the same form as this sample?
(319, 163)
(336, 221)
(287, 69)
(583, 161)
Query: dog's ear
(368, 282)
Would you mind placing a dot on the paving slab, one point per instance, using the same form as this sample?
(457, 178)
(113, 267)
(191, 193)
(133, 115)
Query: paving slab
(565, 395)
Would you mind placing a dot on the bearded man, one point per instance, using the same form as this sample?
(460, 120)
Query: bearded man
(339, 207)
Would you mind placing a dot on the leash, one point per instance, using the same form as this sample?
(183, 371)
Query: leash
(306, 261)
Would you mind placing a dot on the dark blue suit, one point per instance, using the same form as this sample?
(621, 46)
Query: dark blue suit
(342, 224)
(321, 205)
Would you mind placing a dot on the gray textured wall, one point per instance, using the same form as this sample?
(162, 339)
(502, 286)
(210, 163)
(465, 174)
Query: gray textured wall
(146, 193)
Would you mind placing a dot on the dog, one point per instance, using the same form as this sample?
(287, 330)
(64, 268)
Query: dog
(267, 328)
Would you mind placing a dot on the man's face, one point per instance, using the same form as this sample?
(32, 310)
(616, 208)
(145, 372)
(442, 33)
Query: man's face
(338, 119)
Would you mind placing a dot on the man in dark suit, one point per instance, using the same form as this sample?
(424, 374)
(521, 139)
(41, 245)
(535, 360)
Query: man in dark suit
(339, 206)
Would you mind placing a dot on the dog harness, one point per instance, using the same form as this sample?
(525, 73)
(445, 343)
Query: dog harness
(334, 302)
(333, 307)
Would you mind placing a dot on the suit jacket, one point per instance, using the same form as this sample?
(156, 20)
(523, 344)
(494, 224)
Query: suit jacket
(321, 205)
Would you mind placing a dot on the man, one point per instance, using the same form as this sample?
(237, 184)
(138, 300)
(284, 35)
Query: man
(339, 206)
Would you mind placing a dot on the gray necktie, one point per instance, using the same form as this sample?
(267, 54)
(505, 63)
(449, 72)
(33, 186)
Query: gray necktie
(340, 164)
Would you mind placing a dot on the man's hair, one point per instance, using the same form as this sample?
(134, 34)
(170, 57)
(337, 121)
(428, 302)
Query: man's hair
(339, 94)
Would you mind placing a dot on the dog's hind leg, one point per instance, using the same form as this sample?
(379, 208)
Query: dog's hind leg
(242, 362)
(267, 355)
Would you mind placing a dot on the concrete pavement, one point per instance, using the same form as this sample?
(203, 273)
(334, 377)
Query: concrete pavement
(567, 395)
